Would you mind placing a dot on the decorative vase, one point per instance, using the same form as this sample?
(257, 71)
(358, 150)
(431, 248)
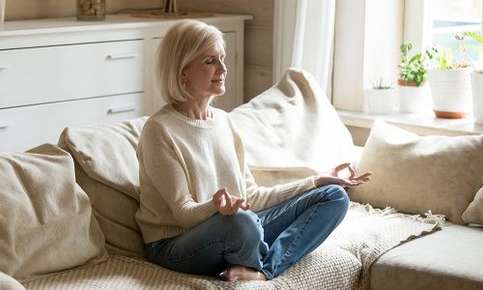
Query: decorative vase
(477, 89)
(381, 101)
(91, 10)
(413, 98)
(451, 91)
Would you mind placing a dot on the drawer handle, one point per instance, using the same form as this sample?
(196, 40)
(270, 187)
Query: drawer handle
(2, 67)
(3, 125)
(123, 109)
(120, 56)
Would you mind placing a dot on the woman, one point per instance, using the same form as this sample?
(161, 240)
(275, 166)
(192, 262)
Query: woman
(200, 209)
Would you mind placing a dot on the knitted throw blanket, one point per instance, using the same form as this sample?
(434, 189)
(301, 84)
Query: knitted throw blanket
(341, 262)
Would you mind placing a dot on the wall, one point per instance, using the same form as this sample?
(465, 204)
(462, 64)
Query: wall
(383, 36)
(258, 32)
(347, 84)
(367, 38)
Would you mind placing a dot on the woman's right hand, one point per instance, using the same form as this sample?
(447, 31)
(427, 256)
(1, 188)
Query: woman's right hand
(335, 178)
(227, 204)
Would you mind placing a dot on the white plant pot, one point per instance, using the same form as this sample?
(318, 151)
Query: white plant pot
(380, 101)
(413, 99)
(451, 91)
(477, 89)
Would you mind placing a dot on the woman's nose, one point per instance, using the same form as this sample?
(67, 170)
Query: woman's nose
(221, 67)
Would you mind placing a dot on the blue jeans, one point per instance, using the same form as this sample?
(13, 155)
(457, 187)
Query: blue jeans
(269, 241)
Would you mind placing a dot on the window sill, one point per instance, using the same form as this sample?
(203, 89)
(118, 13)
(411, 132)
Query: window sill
(421, 123)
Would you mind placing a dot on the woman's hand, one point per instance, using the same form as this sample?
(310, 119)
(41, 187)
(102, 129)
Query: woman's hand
(335, 178)
(227, 204)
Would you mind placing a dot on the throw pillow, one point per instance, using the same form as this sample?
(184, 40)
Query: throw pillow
(46, 223)
(474, 213)
(415, 174)
(292, 126)
(108, 171)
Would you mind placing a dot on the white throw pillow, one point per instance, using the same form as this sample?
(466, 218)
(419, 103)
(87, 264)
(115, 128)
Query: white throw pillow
(46, 221)
(419, 173)
(292, 127)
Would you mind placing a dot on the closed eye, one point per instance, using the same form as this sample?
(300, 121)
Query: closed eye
(212, 60)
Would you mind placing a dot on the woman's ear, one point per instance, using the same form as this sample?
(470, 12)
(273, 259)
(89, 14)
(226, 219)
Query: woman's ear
(184, 75)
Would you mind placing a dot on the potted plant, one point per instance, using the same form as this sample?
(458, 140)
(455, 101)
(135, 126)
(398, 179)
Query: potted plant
(380, 98)
(413, 93)
(450, 84)
(477, 80)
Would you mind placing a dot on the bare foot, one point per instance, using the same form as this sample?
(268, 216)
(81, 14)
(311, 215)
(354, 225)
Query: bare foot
(241, 273)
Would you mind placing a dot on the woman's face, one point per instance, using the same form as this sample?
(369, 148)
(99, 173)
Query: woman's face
(205, 76)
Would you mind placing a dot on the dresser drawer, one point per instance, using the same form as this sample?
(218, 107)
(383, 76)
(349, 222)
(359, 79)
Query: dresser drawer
(54, 73)
(26, 127)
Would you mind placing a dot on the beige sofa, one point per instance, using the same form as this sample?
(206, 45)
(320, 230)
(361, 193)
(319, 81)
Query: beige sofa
(68, 212)
(444, 174)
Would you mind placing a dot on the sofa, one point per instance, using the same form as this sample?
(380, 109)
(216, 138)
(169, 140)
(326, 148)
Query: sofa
(68, 209)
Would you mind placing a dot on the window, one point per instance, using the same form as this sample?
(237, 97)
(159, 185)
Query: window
(431, 23)
(450, 18)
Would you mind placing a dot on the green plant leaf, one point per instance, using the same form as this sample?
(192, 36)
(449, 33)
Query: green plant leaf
(475, 35)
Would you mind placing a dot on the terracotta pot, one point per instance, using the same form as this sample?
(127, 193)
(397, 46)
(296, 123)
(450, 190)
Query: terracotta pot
(408, 84)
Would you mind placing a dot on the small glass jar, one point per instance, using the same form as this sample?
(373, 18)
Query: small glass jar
(91, 10)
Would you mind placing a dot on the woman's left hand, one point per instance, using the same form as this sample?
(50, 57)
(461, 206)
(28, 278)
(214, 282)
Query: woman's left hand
(335, 177)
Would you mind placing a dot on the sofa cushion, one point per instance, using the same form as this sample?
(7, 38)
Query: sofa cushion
(415, 174)
(46, 223)
(447, 259)
(474, 213)
(115, 214)
(107, 169)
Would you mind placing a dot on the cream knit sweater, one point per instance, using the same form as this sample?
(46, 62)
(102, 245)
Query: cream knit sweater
(183, 162)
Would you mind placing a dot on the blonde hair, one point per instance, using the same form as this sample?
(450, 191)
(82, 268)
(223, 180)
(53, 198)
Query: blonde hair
(181, 45)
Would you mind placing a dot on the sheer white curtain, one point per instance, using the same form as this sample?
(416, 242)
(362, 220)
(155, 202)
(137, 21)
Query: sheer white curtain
(304, 37)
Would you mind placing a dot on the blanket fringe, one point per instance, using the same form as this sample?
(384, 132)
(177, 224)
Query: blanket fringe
(438, 220)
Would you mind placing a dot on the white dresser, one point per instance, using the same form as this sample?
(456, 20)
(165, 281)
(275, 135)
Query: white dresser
(61, 72)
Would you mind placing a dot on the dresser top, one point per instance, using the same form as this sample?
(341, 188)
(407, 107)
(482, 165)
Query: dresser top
(116, 21)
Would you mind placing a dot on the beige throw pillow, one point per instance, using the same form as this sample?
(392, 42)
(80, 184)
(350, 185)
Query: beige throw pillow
(292, 126)
(107, 169)
(46, 223)
(474, 213)
(415, 174)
